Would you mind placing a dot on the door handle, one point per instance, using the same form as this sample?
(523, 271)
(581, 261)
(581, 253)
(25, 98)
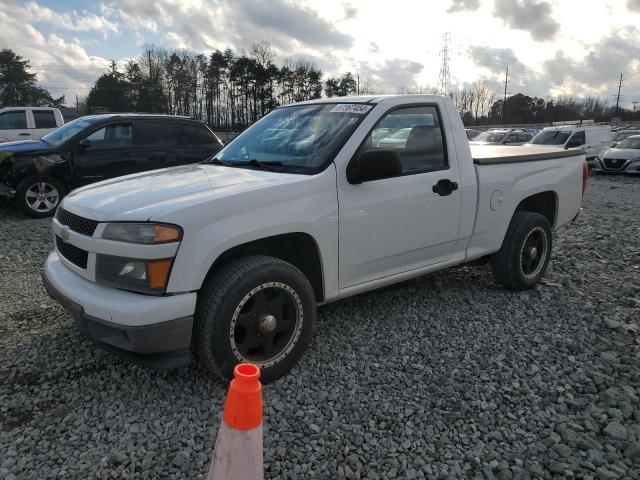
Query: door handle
(128, 154)
(445, 187)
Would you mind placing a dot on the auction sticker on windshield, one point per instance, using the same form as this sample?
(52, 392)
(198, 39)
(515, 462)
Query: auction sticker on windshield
(352, 108)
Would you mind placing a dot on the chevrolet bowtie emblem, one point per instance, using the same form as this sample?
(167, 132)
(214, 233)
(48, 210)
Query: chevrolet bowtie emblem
(64, 234)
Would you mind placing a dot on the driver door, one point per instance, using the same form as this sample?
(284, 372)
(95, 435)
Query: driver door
(396, 224)
(105, 153)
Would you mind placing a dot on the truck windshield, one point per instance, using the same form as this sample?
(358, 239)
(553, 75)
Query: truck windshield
(296, 139)
(551, 137)
(65, 132)
(493, 137)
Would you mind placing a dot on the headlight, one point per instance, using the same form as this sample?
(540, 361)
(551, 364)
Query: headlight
(142, 233)
(144, 276)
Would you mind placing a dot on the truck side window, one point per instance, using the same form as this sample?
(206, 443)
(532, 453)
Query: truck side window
(577, 140)
(415, 134)
(44, 119)
(112, 136)
(13, 120)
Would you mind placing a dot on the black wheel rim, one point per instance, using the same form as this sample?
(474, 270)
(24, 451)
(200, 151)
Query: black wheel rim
(266, 324)
(534, 252)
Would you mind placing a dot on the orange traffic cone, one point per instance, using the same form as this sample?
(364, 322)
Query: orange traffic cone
(238, 451)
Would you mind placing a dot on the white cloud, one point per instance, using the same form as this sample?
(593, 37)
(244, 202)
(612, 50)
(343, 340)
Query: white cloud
(74, 21)
(63, 66)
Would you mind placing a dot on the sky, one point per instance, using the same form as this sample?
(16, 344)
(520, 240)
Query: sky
(552, 47)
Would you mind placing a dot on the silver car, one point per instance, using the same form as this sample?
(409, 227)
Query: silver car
(502, 137)
(623, 157)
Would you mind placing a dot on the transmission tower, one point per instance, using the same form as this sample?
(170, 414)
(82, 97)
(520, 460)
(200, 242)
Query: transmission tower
(444, 79)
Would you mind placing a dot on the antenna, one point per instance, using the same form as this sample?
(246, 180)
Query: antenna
(444, 79)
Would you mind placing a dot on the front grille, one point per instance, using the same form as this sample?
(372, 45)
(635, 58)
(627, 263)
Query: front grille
(614, 163)
(76, 223)
(75, 255)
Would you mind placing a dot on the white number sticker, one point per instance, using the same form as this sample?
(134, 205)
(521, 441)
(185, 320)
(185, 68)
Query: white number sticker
(352, 108)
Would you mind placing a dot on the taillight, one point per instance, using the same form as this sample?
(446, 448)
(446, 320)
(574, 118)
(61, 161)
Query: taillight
(585, 176)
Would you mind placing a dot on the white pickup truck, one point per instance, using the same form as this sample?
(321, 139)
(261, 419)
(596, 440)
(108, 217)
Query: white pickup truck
(229, 258)
(28, 123)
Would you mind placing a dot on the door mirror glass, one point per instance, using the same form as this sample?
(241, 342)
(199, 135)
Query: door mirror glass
(374, 165)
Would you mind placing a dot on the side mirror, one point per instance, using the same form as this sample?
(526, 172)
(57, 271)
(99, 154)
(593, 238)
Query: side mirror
(84, 144)
(374, 165)
(508, 140)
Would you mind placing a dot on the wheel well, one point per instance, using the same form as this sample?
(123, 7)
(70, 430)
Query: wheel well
(544, 203)
(299, 249)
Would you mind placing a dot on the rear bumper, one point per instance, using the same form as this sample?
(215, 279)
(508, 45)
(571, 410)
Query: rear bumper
(164, 344)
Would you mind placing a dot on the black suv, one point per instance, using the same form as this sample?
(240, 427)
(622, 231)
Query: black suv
(93, 148)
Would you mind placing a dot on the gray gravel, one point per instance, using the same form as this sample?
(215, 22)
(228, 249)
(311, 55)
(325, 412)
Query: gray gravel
(444, 377)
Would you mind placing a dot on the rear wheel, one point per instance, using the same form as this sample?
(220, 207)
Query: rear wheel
(259, 310)
(525, 254)
(38, 197)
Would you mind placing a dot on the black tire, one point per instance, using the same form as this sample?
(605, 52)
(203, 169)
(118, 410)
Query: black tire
(237, 291)
(25, 202)
(514, 265)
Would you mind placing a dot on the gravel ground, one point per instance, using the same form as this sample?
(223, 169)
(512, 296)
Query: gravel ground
(447, 376)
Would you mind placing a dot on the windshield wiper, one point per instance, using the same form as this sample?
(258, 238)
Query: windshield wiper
(253, 162)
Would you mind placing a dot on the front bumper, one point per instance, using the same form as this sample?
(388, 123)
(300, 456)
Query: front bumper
(629, 167)
(6, 191)
(153, 331)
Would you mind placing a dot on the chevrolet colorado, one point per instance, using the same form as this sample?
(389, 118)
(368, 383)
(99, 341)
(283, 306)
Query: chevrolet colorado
(315, 202)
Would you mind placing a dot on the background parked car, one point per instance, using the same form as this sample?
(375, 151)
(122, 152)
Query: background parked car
(28, 123)
(471, 133)
(622, 134)
(592, 139)
(623, 157)
(93, 148)
(502, 137)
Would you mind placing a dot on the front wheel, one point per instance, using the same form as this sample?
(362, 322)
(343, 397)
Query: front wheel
(525, 254)
(38, 197)
(259, 310)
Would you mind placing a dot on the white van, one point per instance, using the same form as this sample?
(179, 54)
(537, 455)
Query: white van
(593, 139)
(28, 123)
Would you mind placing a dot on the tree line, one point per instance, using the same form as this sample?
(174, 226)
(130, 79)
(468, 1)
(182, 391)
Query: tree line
(227, 90)
(230, 90)
(18, 86)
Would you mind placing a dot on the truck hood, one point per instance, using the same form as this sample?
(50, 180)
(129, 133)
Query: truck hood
(25, 147)
(624, 153)
(143, 196)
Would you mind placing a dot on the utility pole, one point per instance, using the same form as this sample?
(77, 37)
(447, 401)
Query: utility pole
(358, 83)
(634, 105)
(444, 78)
(618, 96)
(504, 101)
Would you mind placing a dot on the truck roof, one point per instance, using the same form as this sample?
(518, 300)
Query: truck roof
(370, 99)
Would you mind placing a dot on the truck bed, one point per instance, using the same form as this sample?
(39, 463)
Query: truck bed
(496, 154)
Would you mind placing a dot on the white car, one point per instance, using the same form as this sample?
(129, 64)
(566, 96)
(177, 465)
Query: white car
(28, 123)
(593, 139)
(623, 157)
(229, 258)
